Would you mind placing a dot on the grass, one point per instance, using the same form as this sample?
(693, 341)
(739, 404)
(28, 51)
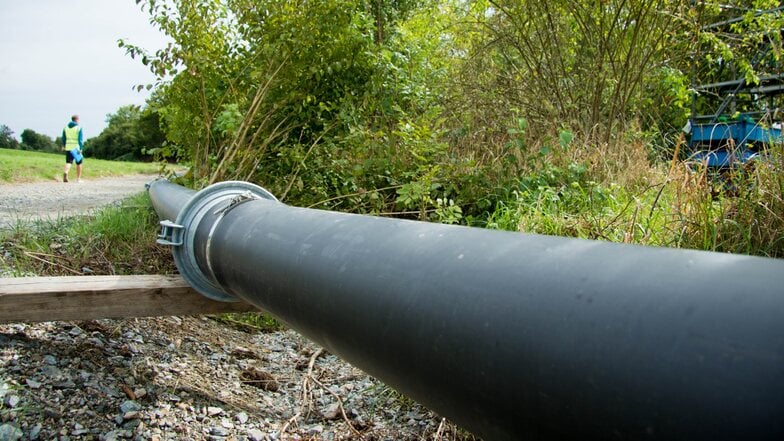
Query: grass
(251, 321)
(743, 213)
(117, 240)
(27, 166)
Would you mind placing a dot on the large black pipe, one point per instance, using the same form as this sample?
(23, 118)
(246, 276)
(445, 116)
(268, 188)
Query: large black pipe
(170, 202)
(513, 336)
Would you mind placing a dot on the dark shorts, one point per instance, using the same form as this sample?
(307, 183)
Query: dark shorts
(70, 159)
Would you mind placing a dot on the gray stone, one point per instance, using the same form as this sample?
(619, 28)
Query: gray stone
(96, 341)
(9, 432)
(331, 412)
(112, 392)
(256, 435)
(131, 425)
(35, 432)
(52, 413)
(51, 371)
(11, 401)
(219, 431)
(32, 384)
(315, 429)
(65, 384)
(130, 406)
(116, 435)
(213, 411)
(50, 360)
(242, 417)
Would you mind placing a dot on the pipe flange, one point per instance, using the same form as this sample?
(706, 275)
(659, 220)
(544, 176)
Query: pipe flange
(220, 197)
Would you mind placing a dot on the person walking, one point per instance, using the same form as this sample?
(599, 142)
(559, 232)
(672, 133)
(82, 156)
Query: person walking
(73, 142)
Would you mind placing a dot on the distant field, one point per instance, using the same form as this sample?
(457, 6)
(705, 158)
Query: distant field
(26, 166)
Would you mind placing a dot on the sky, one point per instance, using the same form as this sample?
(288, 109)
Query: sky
(60, 57)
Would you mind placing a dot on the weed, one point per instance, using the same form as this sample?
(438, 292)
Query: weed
(251, 321)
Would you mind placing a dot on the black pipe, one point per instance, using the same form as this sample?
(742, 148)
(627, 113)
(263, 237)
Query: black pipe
(169, 202)
(514, 336)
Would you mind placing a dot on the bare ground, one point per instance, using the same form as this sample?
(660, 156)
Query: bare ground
(52, 200)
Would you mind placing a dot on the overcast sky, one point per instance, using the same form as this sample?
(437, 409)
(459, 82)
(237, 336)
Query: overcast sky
(60, 57)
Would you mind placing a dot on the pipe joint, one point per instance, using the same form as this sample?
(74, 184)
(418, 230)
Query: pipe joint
(215, 200)
(171, 234)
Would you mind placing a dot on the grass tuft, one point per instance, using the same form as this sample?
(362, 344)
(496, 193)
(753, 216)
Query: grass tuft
(116, 240)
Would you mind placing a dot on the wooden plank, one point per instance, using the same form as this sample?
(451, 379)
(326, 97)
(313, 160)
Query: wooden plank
(41, 299)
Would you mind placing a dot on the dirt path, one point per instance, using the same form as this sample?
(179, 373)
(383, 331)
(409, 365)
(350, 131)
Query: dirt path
(52, 200)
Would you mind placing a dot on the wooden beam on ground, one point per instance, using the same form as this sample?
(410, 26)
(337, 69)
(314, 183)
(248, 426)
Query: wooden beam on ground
(43, 299)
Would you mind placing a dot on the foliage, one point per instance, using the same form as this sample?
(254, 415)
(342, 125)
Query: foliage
(31, 140)
(131, 134)
(554, 117)
(253, 59)
(387, 13)
(251, 321)
(581, 65)
(28, 166)
(304, 98)
(565, 202)
(736, 39)
(7, 139)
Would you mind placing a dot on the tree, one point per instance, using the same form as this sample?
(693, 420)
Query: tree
(7, 139)
(268, 83)
(386, 13)
(574, 64)
(736, 40)
(130, 133)
(38, 142)
(317, 101)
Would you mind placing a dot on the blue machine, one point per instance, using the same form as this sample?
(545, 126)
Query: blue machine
(745, 116)
(722, 145)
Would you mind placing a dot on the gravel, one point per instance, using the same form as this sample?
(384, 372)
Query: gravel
(177, 378)
(51, 200)
(172, 378)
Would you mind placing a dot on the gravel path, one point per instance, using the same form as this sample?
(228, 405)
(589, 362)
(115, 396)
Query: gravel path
(51, 199)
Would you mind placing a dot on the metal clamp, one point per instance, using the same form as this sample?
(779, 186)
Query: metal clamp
(217, 199)
(237, 200)
(171, 233)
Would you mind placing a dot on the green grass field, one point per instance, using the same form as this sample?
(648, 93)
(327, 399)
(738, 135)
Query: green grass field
(26, 166)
